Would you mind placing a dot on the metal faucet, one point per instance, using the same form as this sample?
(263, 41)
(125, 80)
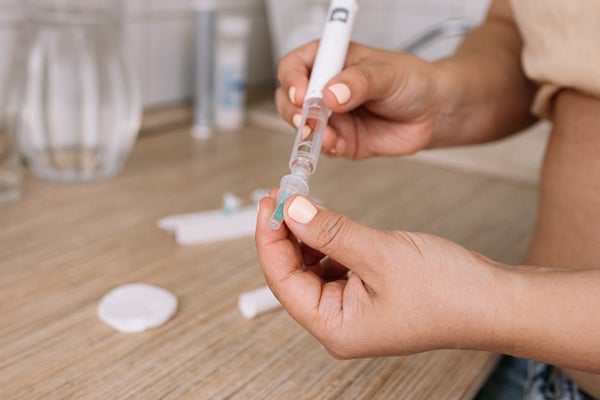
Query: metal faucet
(449, 28)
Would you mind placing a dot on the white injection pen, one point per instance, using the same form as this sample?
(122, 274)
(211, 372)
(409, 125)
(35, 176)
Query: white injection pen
(328, 63)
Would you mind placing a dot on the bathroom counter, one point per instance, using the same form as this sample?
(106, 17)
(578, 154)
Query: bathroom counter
(62, 247)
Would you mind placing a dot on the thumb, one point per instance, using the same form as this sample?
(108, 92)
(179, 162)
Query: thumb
(366, 80)
(354, 245)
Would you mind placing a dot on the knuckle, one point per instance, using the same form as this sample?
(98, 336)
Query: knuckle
(364, 78)
(283, 106)
(281, 67)
(280, 103)
(280, 75)
(332, 230)
(413, 240)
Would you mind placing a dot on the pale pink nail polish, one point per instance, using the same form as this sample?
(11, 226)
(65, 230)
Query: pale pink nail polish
(296, 119)
(341, 92)
(306, 131)
(302, 210)
(292, 95)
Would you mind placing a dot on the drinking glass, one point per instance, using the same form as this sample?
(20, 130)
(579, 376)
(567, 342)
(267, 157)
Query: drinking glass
(10, 161)
(80, 109)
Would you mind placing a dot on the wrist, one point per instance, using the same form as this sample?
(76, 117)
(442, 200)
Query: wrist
(482, 314)
(448, 90)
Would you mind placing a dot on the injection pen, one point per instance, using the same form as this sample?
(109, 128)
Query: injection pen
(328, 63)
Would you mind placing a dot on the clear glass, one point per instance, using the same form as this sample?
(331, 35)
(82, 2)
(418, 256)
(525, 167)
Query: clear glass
(80, 109)
(10, 161)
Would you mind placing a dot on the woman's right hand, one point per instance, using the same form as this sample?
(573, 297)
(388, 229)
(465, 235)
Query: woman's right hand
(384, 103)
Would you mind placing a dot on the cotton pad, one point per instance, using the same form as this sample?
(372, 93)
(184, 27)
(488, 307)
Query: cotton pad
(136, 307)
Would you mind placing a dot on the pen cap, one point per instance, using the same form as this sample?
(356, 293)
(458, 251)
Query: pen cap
(333, 45)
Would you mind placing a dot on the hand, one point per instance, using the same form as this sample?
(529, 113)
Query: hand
(384, 103)
(406, 293)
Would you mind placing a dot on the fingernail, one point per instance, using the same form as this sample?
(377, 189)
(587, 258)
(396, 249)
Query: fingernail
(302, 210)
(296, 119)
(341, 92)
(292, 95)
(306, 131)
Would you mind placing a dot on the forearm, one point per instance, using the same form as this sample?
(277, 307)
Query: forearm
(542, 314)
(485, 93)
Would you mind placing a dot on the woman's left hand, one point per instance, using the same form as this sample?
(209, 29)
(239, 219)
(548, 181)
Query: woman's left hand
(406, 293)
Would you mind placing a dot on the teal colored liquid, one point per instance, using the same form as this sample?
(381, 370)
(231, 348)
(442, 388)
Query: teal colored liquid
(279, 211)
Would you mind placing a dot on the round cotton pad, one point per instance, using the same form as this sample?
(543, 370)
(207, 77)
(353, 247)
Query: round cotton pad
(136, 307)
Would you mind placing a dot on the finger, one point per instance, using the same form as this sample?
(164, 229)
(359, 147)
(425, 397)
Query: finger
(330, 140)
(310, 256)
(293, 72)
(356, 246)
(321, 264)
(293, 115)
(286, 110)
(329, 270)
(333, 270)
(298, 290)
(367, 80)
(290, 235)
(345, 131)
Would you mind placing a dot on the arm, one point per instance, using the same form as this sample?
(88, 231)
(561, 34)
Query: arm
(411, 292)
(549, 315)
(488, 95)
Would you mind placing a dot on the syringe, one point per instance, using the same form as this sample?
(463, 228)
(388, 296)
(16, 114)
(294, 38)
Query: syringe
(329, 62)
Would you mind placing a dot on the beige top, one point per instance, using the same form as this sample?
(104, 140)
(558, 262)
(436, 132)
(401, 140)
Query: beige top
(561, 47)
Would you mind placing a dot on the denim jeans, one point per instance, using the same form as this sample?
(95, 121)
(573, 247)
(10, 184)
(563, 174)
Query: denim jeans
(516, 378)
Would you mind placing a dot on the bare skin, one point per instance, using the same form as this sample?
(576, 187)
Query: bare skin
(413, 292)
(401, 104)
(568, 228)
(398, 104)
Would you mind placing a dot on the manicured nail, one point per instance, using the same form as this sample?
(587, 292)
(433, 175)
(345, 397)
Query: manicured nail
(292, 95)
(341, 92)
(302, 210)
(306, 131)
(296, 119)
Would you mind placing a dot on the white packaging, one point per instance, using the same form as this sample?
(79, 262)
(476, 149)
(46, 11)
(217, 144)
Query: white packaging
(257, 302)
(231, 71)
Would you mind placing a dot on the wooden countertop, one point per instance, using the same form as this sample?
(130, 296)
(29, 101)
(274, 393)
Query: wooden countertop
(62, 247)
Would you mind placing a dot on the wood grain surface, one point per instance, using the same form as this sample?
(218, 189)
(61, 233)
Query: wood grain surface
(62, 247)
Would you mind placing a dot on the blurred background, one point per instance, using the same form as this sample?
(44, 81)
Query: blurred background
(162, 34)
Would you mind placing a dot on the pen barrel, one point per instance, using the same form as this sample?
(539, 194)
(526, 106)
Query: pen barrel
(333, 45)
(307, 146)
